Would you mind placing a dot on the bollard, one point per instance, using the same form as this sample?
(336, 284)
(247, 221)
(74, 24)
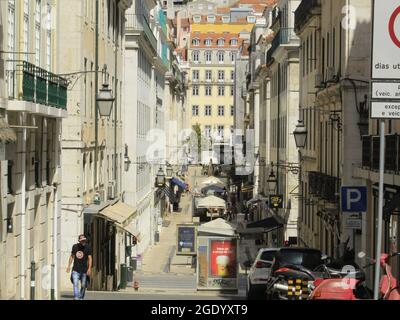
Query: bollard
(32, 280)
(124, 274)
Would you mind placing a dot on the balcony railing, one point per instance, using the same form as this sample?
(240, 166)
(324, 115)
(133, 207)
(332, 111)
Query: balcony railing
(324, 186)
(283, 37)
(304, 11)
(370, 153)
(28, 82)
(139, 23)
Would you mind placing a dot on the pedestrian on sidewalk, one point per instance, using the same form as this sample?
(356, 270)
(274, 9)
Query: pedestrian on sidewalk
(81, 255)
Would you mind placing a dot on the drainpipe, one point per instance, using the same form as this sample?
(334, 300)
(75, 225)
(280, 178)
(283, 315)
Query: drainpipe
(56, 210)
(96, 89)
(23, 210)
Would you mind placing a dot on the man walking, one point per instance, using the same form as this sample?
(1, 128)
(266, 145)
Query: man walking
(81, 255)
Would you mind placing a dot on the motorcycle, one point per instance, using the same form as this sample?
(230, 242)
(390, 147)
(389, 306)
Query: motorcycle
(350, 287)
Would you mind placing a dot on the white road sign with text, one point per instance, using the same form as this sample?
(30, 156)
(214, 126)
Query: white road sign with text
(385, 110)
(386, 90)
(386, 44)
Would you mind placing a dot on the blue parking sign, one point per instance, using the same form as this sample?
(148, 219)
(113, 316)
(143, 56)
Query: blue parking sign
(354, 199)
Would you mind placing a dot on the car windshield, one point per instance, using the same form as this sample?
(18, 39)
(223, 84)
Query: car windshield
(267, 255)
(307, 259)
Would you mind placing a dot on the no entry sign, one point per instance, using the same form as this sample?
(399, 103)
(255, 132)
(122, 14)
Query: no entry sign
(386, 40)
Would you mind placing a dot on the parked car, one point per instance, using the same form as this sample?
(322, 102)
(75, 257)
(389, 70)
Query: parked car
(291, 264)
(259, 272)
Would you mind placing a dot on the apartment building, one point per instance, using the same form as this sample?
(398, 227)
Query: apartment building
(212, 58)
(91, 142)
(335, 65)
(33, 104)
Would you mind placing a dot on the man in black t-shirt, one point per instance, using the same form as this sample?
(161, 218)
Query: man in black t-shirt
(81, 255)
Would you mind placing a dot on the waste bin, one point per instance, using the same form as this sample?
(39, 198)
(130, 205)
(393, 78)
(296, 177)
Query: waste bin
(157, 236)
(129, 277)
(124, 271)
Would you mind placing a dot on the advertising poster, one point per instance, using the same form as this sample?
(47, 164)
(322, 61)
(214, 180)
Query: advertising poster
(223, 260)
(186, 240)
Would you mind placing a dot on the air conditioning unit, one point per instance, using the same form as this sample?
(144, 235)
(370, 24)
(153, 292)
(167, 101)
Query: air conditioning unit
(331, 75)
(319, 81)
(111, 191)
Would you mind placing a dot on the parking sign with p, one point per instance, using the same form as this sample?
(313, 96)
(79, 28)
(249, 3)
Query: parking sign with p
(354, 199)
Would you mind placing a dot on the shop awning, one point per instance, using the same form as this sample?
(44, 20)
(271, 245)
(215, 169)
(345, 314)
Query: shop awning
(119, 212)
(211, 202)
(133, 231)
(179, 183)
(267, 224)
(170, 194)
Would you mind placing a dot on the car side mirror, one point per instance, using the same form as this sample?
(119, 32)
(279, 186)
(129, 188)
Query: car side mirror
(324, 257)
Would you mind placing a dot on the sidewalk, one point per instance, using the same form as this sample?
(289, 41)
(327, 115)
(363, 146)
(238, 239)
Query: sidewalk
(157, 258)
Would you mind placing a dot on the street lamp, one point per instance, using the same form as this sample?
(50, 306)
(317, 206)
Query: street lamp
(271, 182)
(169, 170)
(105, 100)
(160, 178)
(127, 163)
(300, 135)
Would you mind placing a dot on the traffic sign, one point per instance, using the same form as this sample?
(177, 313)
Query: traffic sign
(354, 199)
(385, 110)
(353, 221)
(386, 90)
(386, 40)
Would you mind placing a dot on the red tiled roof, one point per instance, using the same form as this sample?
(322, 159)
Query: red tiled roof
(214, 37)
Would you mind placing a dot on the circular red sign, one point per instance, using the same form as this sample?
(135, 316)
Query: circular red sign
(392, 21)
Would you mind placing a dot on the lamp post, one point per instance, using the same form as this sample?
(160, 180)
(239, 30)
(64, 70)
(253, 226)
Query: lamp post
(300, 135)
(170, 171)
(105, 98)
(271, 182)
(160, 178)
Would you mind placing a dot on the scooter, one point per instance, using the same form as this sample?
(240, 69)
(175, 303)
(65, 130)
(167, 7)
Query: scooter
(351, 288)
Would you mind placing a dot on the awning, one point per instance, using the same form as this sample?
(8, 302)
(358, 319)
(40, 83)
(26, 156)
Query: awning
(7, 134)
(119, 212)
(167, 191)
(213, 188)
(262, 226)
(211, 202)
(133, 231)
(179, 183)
(269, 222)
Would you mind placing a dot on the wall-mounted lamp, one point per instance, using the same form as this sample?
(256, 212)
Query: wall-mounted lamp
(9, 225)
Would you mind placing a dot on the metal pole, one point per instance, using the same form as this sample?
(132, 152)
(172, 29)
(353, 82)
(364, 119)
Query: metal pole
(32, 280)
(380, 210)
(96, 89)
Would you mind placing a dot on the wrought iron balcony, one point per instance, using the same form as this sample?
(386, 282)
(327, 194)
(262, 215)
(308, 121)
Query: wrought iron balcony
(324, 186)
(283, 37)
(370, 153)
(138, 23)
(304, 12)
(28, 82)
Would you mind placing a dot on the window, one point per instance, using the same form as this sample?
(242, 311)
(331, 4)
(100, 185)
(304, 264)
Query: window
(195, 90)
(211, 18)
(220, 131)
(195, 75)
(221, 75)
(226, 19)
(38, 14)
(232, 75)
(232, 91)
(221, 90)
(221, 111)
(207, 110)
(196, 42)
(208, 75)
(196, 19)
(26, 29)
(195, 111)
(48, 37)
(232, 56)
(11, 45)
(221, 56)
(220, 42)
(234, 42)
(251, 19)
(208, 56)
(232, 111)
(207, 131)
(208, 91)
(195, 56)
(208, 42)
